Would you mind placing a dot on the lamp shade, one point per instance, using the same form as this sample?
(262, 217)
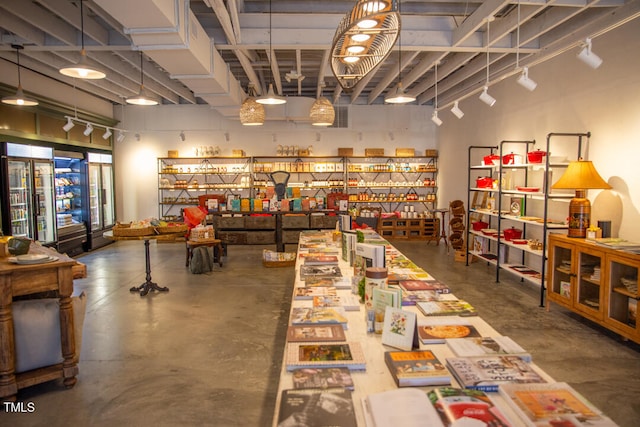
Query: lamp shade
(582, 175)
(251, 113)
(322, 112)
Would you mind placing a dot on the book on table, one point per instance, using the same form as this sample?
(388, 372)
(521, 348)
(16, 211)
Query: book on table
(315, 333)
(318, 316)
(488, 372)
(307, 293)
(322, 378)
(436, 330)
(446, 308)
(347, 302)
(416, 368)
(464, 407)
(325, 355)
(320, 259)
(316, 407)
(484, 346)
(424, 285)
(317, 282)
(307, 271)
(400, 407)
(552, 405)
(399, 328)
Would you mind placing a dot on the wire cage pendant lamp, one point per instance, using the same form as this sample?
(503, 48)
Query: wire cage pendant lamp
(251, 112)
(82, 69)
(19, 98)
(271, 98)
(143, 97)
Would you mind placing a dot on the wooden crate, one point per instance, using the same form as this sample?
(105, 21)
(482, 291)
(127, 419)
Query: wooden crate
(374, 152)
(172, 153)
(290, 236)
(431, 153)
(323, 221)
(228, 222)
(431, 228)
(345, 152)
(261, 237)
(295, 221)
(260, 222)
(233, 237)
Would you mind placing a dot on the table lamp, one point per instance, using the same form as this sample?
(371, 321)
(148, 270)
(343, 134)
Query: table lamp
(580, 175)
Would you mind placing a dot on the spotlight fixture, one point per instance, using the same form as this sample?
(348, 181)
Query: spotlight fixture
(251, 112)
(67, 127)
(107, 134)
(182, 136)
(588, 57)
(457, 111)
(143, 97)
(88, 129)
(82, 70)
(398, 96)
(486, 98)
(435, 119)
(120, 137)
(271, 98)
(525, 81)
(19, 98)
(364, 38)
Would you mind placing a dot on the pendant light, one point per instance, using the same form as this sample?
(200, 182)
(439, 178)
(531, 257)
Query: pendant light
(82, 70)
(398, 96)
(251, 112)
(484, 96)
(19, 98)
(271, 98)
(524, 80)
(143, 97)
(322, 112)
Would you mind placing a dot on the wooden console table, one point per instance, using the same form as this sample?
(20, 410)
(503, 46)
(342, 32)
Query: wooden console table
(21, 280)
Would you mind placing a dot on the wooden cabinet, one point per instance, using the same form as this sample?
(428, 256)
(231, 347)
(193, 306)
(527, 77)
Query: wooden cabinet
(595, 281)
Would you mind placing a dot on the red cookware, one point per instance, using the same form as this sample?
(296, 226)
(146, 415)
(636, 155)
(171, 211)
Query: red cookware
(492, 159)
(512, 233)
(479, 225)
(511, 159)
(536, 156)
(484, 182)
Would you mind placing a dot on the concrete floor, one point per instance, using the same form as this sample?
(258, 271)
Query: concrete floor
(208, 352)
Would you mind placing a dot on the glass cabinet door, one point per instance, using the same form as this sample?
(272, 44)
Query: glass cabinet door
(45, 203)
(561, 288)
(95, 197)
(19, 195)
(622, 309)
(107, 195)
(589, 296)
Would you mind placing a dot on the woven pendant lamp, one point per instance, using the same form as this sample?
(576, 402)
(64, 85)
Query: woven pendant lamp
(251, 112)
(322, 112)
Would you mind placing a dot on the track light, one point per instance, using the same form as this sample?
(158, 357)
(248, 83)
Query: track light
(588, 57)
(486, 98)
(120, 137)
(457, 111)
(435, 119)
(525, 81)
(69, 125)
(88, 129)
(182, 136)
(107, 134)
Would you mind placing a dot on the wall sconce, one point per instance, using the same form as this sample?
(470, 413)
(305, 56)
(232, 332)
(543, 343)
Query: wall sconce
(391, 136)
(88, 129)
(588, 57)
(182, 136)
(456, 110)
(435, 119)
(525, 81)
(226, 136)
(580, 175)
(107, 134)
(67, 127)
(486, 98)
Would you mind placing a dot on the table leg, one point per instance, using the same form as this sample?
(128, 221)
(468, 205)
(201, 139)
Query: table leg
(148, 285)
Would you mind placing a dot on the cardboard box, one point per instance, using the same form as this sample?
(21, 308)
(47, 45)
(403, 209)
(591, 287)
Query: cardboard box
(172, 153)
(431, 153)
(405, 152)
(345, 152)
(238, 153)
(374, 152)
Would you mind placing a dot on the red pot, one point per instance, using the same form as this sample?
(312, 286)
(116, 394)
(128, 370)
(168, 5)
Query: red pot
(512, 159)
(479, 225)
(512, 233)
(484, 182)
(536, 156)
(491, 159)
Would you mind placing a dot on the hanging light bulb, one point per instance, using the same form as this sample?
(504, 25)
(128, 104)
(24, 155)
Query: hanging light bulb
(82, 69)
(19, 98)
(143, 97)
(398, 96)
(271, 98)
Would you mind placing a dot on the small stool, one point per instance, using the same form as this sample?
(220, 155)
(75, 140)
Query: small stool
(443, 232)
(216, 244)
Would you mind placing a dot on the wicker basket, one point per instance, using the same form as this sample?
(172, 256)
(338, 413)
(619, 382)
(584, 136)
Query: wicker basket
(174, 229)
(272, 259)
(273, 264)
(125, 230)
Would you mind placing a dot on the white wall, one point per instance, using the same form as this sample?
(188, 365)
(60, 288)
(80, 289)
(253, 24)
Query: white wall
(570, 97)
(380, 126)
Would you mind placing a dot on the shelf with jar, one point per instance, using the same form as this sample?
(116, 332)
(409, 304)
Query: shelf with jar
(393, 182)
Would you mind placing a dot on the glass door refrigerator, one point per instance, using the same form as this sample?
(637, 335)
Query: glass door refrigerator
(101, 198)
(71, 194)
(28, 192)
